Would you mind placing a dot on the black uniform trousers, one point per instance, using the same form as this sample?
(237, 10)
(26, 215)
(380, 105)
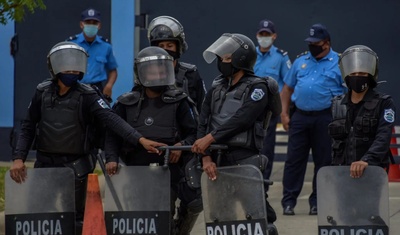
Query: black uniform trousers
(307, 130)
(269, 147)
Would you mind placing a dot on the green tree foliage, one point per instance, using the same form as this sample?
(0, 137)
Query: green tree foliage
(15, 9)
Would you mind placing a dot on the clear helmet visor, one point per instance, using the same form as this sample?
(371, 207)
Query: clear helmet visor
(227, 44)
(156, 71)
(170, 25)
(68, 58)
(358, 60)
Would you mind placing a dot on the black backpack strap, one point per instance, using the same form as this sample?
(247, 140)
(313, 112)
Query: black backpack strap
(75, 100)
(180, 76)
(241, 90)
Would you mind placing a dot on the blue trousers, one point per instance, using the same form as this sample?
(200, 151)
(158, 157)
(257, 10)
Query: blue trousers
(305, 132)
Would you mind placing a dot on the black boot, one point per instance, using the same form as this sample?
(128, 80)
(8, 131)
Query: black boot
(272, 230)
(188, 216)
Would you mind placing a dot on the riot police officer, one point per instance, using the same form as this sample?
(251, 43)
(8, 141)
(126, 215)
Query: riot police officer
(236, 109)
(363, 118)
(167, 32)
(59, 116)
(161, 112)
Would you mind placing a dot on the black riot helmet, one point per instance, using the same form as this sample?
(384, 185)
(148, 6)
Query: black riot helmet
(359, 58)
(167, 28)
(66, 56)
(154, 67)
(239, 46)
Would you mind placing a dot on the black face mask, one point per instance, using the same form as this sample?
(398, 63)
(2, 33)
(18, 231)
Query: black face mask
(69, 79)
(227, 69)
(174, 54)
(315, 50)
(357, 84)
(157, 89)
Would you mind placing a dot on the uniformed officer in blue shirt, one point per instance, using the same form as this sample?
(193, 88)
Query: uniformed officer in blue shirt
(310, 84)
(271, 62)
(102, 66)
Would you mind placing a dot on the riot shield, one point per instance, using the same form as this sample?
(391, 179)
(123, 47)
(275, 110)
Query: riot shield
(138, 201)
(234, 203)
(43, 204)
(349, 206)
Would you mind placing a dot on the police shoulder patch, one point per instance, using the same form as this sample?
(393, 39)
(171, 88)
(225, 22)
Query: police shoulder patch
(257, 94)
(103, 104)
(288, 64)
(389, 115)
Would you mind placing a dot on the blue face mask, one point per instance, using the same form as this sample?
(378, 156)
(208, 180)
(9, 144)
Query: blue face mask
(69, 79)
(90, 30)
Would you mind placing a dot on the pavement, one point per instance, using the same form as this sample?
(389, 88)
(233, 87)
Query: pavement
(299, 224)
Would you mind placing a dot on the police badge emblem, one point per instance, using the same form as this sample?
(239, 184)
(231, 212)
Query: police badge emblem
(149, 121)
(91, 12)
(389, 115)
(257, 94)
(103, 104)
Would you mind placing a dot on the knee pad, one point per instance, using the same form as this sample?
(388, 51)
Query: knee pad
(195, 206)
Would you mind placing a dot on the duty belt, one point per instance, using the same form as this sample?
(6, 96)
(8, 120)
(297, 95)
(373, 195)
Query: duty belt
(314, 113)
(56, 159)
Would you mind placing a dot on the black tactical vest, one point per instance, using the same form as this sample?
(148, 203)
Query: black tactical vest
(352, 140)
(225, 104)
(61, 128)
(154, 118)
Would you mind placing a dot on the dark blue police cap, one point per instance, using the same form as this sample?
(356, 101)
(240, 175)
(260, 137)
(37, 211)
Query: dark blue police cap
(90, 14)
(318, 32)
(266, 26)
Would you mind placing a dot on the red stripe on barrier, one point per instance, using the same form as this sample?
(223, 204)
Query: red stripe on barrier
(394, 169)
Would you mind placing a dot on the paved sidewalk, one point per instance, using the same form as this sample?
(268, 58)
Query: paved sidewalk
(301, 223)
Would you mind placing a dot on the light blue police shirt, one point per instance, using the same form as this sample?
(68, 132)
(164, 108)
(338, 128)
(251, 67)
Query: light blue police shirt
(315, 82)
(101, 58)
(275, 63)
